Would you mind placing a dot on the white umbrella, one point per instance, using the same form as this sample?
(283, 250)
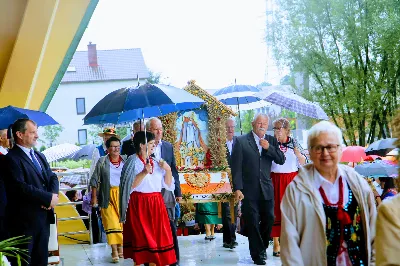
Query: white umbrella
(293, 102)
(60, 152)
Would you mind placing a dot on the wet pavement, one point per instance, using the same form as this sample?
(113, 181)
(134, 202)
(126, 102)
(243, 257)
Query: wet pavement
(194, 251)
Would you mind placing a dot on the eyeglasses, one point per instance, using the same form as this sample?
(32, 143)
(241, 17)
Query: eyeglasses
(277, 128)
(320, 149)
(115, 147)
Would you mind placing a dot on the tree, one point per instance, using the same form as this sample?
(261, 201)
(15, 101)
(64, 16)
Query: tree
(122, 131)
(94, 130)
(154, 77)
(51, 133)
(246, 117)
(351, 49)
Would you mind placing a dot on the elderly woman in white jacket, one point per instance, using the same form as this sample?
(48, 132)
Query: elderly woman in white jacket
(328, 210)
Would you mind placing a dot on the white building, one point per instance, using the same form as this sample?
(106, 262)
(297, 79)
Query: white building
(91, 75)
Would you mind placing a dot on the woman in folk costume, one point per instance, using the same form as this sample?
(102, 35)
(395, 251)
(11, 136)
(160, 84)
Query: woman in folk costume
(207, 214)
(147, 232)
(282, 175)
(328, 210)
(105, 182)
(101, 150)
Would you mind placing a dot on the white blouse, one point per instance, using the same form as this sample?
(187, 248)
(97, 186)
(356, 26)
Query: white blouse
(151, 182)
(115, 174)
(291, 164)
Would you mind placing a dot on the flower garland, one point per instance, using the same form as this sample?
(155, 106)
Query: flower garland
(218, 114)
(168, 122)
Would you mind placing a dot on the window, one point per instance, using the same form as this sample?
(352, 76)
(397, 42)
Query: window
(82, 136)
(80, 106)
(71, 69)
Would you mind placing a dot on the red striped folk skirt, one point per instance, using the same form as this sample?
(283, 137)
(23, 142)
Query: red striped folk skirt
(280, 182)
(147, 232)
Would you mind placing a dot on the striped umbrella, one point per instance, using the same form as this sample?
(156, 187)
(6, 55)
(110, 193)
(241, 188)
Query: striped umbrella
(293, 102)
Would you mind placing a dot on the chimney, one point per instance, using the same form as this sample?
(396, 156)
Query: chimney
(92, 55)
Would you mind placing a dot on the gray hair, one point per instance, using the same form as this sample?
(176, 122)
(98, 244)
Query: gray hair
(324, 127)
(136, 126)
(150, 120)
(256, 116)
(2, 131)
(231, 119)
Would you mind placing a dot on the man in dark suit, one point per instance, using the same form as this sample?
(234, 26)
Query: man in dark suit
(127, 146)
(32, 193)
(164, 150)
(252, 156)
(229, 228)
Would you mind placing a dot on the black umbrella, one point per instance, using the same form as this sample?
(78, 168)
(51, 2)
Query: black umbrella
(381, 147)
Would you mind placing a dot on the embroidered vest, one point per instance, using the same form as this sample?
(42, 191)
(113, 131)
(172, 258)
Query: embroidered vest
(353, 233)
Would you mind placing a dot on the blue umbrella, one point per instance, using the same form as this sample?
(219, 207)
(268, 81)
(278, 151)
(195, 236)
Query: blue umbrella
(148, 100)
(9, 114)
(381, 147)
(377, 169)
(242, 96)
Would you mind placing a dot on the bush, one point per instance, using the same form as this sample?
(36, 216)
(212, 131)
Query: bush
(71, 164)
(42, 148)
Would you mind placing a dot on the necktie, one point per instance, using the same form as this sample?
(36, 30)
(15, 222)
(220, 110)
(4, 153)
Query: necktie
(35, 162)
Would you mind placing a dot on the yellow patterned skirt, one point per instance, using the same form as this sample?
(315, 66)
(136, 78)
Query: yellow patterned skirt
(110, 218)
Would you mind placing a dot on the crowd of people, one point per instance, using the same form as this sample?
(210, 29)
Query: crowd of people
(318, 211)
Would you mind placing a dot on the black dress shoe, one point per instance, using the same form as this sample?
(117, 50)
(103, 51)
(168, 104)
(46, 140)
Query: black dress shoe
(235, 243)
(260, 262)
(263, 255)
(226, 245)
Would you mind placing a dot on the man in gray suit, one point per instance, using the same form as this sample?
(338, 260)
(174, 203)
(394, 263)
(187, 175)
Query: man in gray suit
(164, 150)
(252, 157)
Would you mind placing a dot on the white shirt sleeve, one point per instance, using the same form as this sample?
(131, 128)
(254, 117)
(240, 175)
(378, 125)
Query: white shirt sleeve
(164, 185)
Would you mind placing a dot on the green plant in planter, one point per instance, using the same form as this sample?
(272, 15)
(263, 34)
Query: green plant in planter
(9, 248)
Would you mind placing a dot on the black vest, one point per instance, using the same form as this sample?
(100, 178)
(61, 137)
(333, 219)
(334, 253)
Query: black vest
(353, 233)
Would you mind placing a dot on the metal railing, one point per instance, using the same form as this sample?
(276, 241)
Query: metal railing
(72, 218)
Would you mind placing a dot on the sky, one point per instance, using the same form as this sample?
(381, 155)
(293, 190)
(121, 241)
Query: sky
(211, 41)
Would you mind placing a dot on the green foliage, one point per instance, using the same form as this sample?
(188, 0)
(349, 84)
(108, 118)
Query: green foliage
(122, 132)
(154, 77)
(9, 248)
(71, 164)
(351, 49)
(51, 133)
(246, 118)
(93, 132)
(42, 148)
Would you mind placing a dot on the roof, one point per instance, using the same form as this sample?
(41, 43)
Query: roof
(119, 64)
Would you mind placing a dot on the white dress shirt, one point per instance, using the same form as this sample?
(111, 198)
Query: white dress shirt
(332, 194)
(151, 182)
(157, 151)
(229, 143)
(3, 150)
(28, 153)
(257, 139)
